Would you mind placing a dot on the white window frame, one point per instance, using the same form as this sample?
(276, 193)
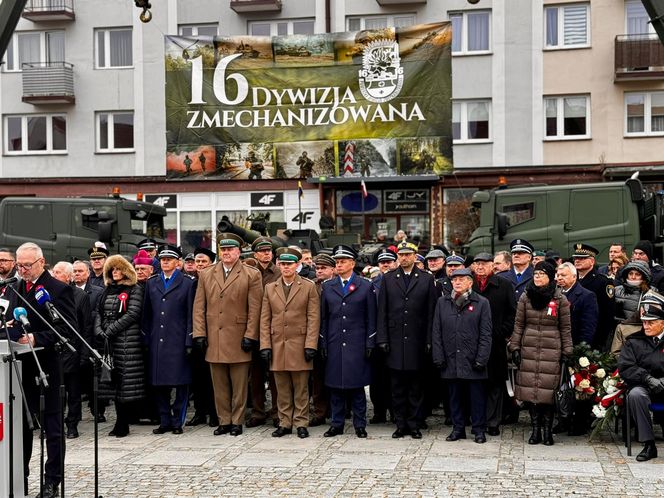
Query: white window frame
(464, 27)
(560, 118)
(647, 116)
(14, 47)
(275, 22)
(651, 30)
(196, 27)
(111, 132)
(24, 135)
(463, 131)
(388, 17)
(561, 27)
(107, 47)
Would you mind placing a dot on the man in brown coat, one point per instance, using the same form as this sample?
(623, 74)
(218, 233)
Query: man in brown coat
(226, 321)
(290, 322)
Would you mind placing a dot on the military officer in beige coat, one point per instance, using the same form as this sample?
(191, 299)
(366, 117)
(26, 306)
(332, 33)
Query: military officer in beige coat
(290, 321)
(226, 326)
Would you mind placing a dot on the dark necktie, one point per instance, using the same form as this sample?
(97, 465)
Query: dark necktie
(166, 279)
(344, 282)
(518, 278)
(28, 286)
(655, 340)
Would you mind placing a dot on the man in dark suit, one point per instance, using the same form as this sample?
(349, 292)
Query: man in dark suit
(406, 307)
(167, 324)
(522, 271)
(30, 264)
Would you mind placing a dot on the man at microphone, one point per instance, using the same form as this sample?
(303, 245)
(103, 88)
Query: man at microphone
(30, 264)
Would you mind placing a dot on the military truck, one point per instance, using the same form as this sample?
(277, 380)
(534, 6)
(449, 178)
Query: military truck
(559, 216)
(65, 228)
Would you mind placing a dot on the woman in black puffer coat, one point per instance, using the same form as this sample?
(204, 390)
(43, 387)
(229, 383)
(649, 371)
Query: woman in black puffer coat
(117, 322)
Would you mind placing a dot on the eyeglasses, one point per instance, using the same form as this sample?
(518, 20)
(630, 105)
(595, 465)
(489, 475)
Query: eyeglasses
(27, 266)
(539, 274)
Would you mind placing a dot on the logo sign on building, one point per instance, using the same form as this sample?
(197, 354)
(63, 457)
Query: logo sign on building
(267, 199)
(406, 201)
(168, 201)
(253, 108)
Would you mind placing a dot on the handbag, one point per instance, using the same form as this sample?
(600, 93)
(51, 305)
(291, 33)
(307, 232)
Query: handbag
(564, 394)
(107, 356)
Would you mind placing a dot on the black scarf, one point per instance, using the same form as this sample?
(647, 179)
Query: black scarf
(540, 297)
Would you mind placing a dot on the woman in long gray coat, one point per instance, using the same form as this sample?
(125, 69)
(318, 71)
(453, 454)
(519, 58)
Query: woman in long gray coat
(117, 324)
(542, 338)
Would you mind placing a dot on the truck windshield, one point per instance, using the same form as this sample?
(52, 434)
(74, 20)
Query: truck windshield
(149, 224)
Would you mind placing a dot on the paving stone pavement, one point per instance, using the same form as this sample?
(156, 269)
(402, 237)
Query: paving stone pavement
(199, 464)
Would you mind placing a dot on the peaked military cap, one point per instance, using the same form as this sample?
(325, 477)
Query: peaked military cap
(342, 251)
(454, 259)
(229, 240)
(261, 243)
(170, 251)
(289, 254)
(584, 251)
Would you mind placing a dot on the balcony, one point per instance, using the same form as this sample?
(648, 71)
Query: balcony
(400, 2)
(250, 6)
(48, 83)
(49, 10)
(639, 57)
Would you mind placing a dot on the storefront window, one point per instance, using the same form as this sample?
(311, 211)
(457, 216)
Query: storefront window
(350, 224)
(417, 228)
(195, 230)
(171, 228)
(237, 218)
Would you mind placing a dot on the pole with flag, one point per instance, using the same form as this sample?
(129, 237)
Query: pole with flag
(365, 194)
(300, 194)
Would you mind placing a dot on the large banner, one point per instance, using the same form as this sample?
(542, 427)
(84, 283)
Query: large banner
(365, 103)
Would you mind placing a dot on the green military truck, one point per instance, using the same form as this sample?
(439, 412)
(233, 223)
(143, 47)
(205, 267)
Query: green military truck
(559, 216)
(65, 228)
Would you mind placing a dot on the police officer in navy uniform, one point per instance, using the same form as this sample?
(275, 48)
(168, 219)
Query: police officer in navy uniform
(406, 307)
(150, 246)
(522, 271)
(347, 339)
(167, 324)
(602, 286)
(453, 262)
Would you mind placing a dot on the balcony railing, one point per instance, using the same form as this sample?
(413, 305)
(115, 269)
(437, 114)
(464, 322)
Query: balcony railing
(49, 10)
(638, 57)
(48, 83)
(242, 6)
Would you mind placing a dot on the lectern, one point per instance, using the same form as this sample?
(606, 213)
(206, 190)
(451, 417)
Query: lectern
(6, 373)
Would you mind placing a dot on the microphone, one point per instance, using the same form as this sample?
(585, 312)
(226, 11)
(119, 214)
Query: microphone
(4, 283)
(44, 299)
(22, 316)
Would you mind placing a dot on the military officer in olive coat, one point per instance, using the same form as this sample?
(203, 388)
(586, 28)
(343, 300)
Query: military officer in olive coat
(226, 320)
(290, 321)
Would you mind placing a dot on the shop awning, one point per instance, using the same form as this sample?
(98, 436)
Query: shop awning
(355, 180)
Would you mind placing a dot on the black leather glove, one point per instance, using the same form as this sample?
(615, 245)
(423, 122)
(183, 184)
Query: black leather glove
(201, 343)
(309, 354)
(427, 349)
(266, 356)
(323, 353)
(367, 353)
(247, 344)
(187, 352)
(516, 358)
(654, 384)
(478, 367)
(440, 365)
(384, 347)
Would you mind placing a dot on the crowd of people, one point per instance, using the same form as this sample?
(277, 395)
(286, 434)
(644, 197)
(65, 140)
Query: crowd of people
(420, 330)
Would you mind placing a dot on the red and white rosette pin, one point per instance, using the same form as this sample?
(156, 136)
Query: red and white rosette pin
(552, 309)
(123, 302)
(351, 287)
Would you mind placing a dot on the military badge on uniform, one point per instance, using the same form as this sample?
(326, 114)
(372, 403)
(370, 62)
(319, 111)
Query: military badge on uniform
(610, 290)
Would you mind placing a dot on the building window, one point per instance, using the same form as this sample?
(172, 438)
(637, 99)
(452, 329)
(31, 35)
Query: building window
(471, 121)
(637, 20)
(567, 117)
(282, 27)
(35, 47)
(115, 131)
(567, 26)
(113, 48)
(198, 30)
(380, 22)
(644, 114)
(471, 32)
(36, 134)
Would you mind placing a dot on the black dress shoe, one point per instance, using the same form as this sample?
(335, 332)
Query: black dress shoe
(333, 431)
(214, 421)
(361, 432)
(72, 432)
(197, 419)
(399, 433)
(493, 431)
(455, 436)
(50, 491)
(161, 430)
(282, 431)
(236, 430)
(648, 452)
(480, 438)
(119, 431)
(316, 421)
(101, 418)
(416, 434)
(222, 429)
(302, 432)
(177, 430)
(255, 422)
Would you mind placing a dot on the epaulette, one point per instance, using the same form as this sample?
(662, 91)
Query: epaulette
(154, 275)
(190, 276)
(365, 278)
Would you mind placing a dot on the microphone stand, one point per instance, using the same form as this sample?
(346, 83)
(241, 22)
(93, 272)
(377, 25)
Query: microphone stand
(59, 348)
(97, 362)
(11, 358)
